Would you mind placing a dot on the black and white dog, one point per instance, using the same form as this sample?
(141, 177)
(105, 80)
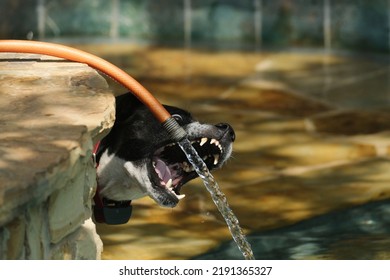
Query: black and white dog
(137, 158)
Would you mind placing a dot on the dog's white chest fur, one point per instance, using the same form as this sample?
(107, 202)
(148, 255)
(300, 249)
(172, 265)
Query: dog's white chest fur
(120, 179)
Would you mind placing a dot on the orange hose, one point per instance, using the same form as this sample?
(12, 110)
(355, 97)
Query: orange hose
(61, 51)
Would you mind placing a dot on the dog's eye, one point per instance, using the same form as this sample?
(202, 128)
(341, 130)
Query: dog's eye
(177, 117)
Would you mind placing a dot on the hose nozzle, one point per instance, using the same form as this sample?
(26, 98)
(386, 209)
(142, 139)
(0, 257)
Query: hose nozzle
(175, 131)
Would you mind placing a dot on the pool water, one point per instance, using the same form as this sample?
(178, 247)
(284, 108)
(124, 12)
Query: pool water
(359, 233)
(309, 176)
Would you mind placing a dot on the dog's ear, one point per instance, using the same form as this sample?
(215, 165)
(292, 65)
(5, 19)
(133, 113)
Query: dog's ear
(125, 106)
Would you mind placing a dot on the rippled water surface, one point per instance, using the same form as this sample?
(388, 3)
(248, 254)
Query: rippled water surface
(309, 176)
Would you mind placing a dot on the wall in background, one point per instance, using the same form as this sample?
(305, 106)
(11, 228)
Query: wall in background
(245, 24)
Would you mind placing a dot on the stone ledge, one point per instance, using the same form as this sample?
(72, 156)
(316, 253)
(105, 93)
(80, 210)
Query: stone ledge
(52, 113)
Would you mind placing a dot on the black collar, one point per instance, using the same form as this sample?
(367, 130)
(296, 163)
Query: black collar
(108, 211)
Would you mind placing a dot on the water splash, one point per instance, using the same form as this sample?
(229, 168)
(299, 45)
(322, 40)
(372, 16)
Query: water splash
(218, 197)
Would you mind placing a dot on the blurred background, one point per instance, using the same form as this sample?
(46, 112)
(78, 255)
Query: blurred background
(223, 24)
(305, 84)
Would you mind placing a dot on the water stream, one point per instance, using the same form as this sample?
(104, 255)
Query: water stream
(219, 198)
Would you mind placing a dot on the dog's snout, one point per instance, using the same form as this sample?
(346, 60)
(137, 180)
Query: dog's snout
(227, 129)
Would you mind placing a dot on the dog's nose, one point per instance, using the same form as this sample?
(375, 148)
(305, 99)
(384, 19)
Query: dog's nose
(226, 128)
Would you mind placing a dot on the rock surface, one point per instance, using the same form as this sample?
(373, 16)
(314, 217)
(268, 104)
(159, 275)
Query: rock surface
(52, 111)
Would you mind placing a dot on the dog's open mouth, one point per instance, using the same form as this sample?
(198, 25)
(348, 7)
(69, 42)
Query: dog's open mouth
(173, 170)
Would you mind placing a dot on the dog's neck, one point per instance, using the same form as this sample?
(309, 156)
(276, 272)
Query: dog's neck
(118, 179)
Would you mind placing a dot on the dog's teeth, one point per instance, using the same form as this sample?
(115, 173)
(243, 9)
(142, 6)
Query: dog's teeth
(215, 142)
(216, 159)
(203, 141)
(168, 184)
(181, 196)
(170, 145)
(187, 168)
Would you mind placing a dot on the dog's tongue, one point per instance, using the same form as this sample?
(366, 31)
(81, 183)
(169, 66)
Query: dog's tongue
(163, 171)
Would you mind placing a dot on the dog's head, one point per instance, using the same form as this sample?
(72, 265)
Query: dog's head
(137, 158)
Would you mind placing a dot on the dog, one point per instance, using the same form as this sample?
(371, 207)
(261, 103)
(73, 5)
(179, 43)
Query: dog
(137, 158)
